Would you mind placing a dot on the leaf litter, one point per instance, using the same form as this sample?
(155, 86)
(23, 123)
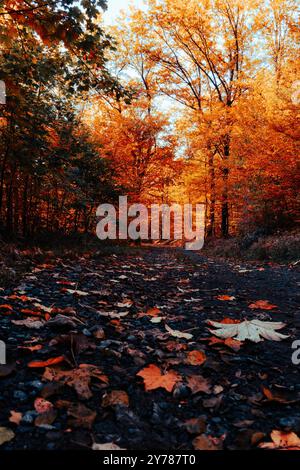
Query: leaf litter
(105, 364)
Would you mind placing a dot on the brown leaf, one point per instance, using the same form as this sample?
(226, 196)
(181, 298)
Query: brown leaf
(197, 384)
(196, 425)
(281, 395)
(116, 397)
(6, 435)
(79, 378)
(81, 416)
(205, 442)
(46, 418)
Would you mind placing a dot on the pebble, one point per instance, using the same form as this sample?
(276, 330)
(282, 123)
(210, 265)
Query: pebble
(29, 417)
(20, 396)
(36, 384)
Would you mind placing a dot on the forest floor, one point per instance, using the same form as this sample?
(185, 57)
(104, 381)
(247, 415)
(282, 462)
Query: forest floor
(79, 329)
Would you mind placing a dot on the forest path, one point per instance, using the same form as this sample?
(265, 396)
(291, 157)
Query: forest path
(111, 312)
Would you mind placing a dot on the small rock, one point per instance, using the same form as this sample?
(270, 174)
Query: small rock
(20, 396)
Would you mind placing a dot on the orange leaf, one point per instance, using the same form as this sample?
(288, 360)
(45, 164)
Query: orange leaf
(154, 378)
(6, 307)
(49, 362)
(229, 321)
(27, 311)
(282, 440)
(226, 297)
(37, 347)
(233, 344)
(195, 358)
(263, 305)
(15, 417)
(153, 312)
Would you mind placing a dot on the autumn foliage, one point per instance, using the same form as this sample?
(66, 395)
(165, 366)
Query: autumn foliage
(180, 102)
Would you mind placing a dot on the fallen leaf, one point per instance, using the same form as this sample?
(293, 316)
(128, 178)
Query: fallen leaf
(196, 425)
(31, 313)
(49, 362)
(126, 304)
(41, 405)
(197, 384)
(29, 323)
(282, 440)
(178, 334)
(156, 319)
(195, 358)
(116, 397)
(46, 418)
(6, 435)
(154, 378)
(233, 344)
(281, 395)
(79, 378)
(81, 416)
(205, 442)
(15, 417)
(80, 293)
(36, 347)
(107, 446)
(153, 312)
(225, 297)
(262, 305)
(252, 330)
(6, 308)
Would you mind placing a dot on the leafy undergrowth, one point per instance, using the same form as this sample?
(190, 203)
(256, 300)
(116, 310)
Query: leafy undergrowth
(284, 248)
(118, 349)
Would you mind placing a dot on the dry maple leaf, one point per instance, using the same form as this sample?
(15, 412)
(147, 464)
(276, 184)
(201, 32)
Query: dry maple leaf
(205, 442)
(195, 358)
(252, 330)
(282, 440)
(262, 305)
(197, 384)
(79, 378)
(154, 378)
(116, 397)
(178, 334)
(81, 416)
